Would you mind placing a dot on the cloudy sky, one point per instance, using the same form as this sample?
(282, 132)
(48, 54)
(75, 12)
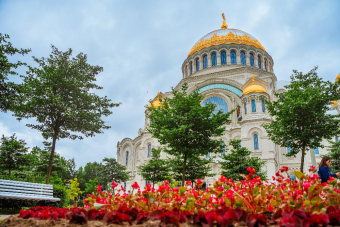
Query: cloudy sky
(142, 45)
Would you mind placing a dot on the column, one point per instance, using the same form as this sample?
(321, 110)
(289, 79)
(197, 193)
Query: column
(218, 58)
(238, 57)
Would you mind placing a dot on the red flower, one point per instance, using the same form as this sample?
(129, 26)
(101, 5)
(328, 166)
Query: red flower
(99, 188)
(199, 183)
(135, 185)
(284, 169)
(114, 184)
(251, 171)
(229, 194)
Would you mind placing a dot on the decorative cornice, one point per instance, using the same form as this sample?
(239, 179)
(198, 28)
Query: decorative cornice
(229, 72)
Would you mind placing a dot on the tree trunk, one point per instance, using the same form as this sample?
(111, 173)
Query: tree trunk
(302, 159)
(51, 159)
(184, 169)
(9, 172)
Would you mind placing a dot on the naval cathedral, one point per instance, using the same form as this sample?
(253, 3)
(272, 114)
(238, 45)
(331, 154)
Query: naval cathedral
(233, 70)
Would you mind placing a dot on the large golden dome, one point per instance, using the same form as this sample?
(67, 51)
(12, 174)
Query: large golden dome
(254, 88)
(225, 35)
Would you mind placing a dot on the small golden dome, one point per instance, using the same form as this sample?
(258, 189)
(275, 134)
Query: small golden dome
(254, 87)
(334, 103)
(156, 102)
(337, 78)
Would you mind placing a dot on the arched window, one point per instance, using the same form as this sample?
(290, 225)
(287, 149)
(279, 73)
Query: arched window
(149, 150)
(127, 158)
(256, 142)
(263, 106)
(223, 58)
(316, 150)
(253, 106)
(265, 65)
(205, 61)
(245, 108)
(208, 156)
(223, 150)
(251, 59)
(219, 102)
(243, 58)
(259, 61)
(213, 59)
(197, 64)
(190, 68)
(233, 57)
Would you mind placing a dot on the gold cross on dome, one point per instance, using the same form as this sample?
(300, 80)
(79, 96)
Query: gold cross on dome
(224, 24)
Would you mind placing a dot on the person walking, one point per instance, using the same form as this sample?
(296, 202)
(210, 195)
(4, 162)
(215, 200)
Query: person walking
(324, 172)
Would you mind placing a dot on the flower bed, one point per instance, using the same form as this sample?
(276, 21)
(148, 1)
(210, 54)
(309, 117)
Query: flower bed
(301, 202)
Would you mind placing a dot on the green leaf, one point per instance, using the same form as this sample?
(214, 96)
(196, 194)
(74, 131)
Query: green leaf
(298, 174)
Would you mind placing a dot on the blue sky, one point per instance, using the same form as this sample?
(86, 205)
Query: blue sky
(142, 45)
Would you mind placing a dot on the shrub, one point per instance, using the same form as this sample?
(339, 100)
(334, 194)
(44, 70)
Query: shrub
(59, 191)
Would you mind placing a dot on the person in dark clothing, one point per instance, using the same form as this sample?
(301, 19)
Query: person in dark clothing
(324, 172)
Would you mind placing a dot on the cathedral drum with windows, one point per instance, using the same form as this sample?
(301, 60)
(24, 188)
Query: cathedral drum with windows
(233, 70)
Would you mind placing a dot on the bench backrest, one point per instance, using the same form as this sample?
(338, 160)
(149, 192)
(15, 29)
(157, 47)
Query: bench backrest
(26, 188)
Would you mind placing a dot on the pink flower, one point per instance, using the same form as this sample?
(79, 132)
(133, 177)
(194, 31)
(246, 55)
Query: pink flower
(306, 185)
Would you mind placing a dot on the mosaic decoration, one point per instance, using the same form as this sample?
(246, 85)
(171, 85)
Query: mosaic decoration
(227, 87)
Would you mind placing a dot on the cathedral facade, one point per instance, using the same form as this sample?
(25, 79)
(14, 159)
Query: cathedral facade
(233, 70)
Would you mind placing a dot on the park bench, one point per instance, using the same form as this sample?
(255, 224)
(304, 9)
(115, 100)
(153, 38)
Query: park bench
(26, 191)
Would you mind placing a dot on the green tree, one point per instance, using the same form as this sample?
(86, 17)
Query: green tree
(8, 90)
(113, 171)
(13, 153)
(300, 118)
(197, 168)
(157, 169)
(93, 170)
(238, 160)
(91, 186)
(334, 154)
(74, 190)
(187, 128)
(59, 94)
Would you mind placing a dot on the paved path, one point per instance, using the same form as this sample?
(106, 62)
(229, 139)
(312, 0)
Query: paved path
(2, 216)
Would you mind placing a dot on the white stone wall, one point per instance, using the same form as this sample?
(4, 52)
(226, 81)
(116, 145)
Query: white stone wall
(238, 76)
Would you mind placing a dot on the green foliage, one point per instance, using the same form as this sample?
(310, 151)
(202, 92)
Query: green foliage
(60, 95)
(238, 160)
(59, 191)
(12, 153)
(8, 90)
(113, 171)
(186, 127)
(74, 190)
(197, 168)
(157, 169)
(334, 154)
(300, 118)
(93, 184)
